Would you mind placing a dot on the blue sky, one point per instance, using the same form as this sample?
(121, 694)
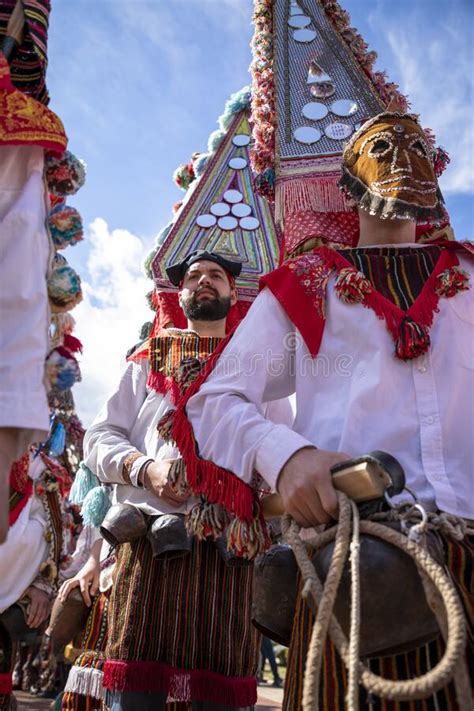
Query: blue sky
(139, 85)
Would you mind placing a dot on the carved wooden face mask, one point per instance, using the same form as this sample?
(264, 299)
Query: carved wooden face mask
(388, 170)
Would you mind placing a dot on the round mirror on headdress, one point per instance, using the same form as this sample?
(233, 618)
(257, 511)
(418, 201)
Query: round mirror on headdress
(241, 209)
(220, 209)
(298, 21)
(306, 134)
(249, 223)
(314, 111)
(338, 131)
(322, 89)
(304, 36)
(237, 163)
(233, 196)
(241, 139)
(227, 223)
(206, 221)
(344, 107)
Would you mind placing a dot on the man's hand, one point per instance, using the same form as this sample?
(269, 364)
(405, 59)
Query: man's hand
(305, 486)
(39, 607)
(87, 579)
(155, 478)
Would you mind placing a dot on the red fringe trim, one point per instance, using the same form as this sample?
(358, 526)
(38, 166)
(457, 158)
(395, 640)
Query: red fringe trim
(164, 384)
(6, 684)
(217, 485)
(181, 684)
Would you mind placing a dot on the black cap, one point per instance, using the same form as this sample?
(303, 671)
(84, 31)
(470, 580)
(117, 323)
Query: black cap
(177, 271)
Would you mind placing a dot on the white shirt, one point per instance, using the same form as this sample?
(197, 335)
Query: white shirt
(26, 547)
(354, 397)
(25, 254)
(127, 423)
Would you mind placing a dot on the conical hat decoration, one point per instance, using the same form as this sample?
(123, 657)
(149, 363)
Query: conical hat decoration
(29, 62)
(312, 85)
(24, 120)
(221, 213)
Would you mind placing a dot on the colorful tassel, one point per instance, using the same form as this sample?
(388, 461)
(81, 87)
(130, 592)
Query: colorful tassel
(95, 506)
(177, 478)
(413, 340)
(165, 425)
(351, 286)
(247, 540)
(57, 440)
(206, 520)
(452, 281)
(84, 481)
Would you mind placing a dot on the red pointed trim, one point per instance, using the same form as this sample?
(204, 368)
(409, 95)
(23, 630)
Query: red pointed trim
(164, 385)
(288, 289)
(181, 684)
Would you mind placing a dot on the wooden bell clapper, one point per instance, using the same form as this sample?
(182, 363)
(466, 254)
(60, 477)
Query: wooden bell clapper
(365, 478)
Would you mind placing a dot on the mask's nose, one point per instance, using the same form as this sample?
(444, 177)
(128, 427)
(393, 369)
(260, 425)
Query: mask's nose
(401, 161)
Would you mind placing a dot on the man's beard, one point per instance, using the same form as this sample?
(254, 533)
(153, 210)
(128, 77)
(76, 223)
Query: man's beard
(206, 309)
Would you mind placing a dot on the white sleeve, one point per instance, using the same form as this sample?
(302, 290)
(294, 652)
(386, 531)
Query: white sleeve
(107, 442)
(227, 414)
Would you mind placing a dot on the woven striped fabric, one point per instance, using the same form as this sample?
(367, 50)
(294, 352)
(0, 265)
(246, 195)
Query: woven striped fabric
(84, 690)
(459, 558)
(182, 627)
(397, 273)
(28, 67)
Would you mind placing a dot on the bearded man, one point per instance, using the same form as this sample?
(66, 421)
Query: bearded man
(399, 315)
(179, 614)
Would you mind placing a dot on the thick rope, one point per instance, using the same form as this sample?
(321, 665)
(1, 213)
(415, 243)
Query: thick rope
(405, 690)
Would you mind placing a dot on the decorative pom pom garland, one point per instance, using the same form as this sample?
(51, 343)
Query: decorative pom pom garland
(65, 175)
(62, 370)
(65, 224)
(64, 286)
(184, 175)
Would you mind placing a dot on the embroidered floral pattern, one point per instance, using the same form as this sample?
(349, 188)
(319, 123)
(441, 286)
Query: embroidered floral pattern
(313, 274)
(128, 463)
(452, 281)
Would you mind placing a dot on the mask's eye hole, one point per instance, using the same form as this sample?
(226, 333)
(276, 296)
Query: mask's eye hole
(379, 148)
(419, 148)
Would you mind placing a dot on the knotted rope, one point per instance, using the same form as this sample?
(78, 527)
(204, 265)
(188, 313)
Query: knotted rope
(438, 587)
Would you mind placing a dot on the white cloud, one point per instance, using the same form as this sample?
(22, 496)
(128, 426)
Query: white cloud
(434, 68)
(109, 318)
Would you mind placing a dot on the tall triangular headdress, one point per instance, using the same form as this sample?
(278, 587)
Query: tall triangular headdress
(313, 83)
(221, 212)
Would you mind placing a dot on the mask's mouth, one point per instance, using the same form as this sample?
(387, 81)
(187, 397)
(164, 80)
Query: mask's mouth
(404, 182)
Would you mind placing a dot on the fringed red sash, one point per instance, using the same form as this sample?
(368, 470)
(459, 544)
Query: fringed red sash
(300, 286)
(217, 485)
